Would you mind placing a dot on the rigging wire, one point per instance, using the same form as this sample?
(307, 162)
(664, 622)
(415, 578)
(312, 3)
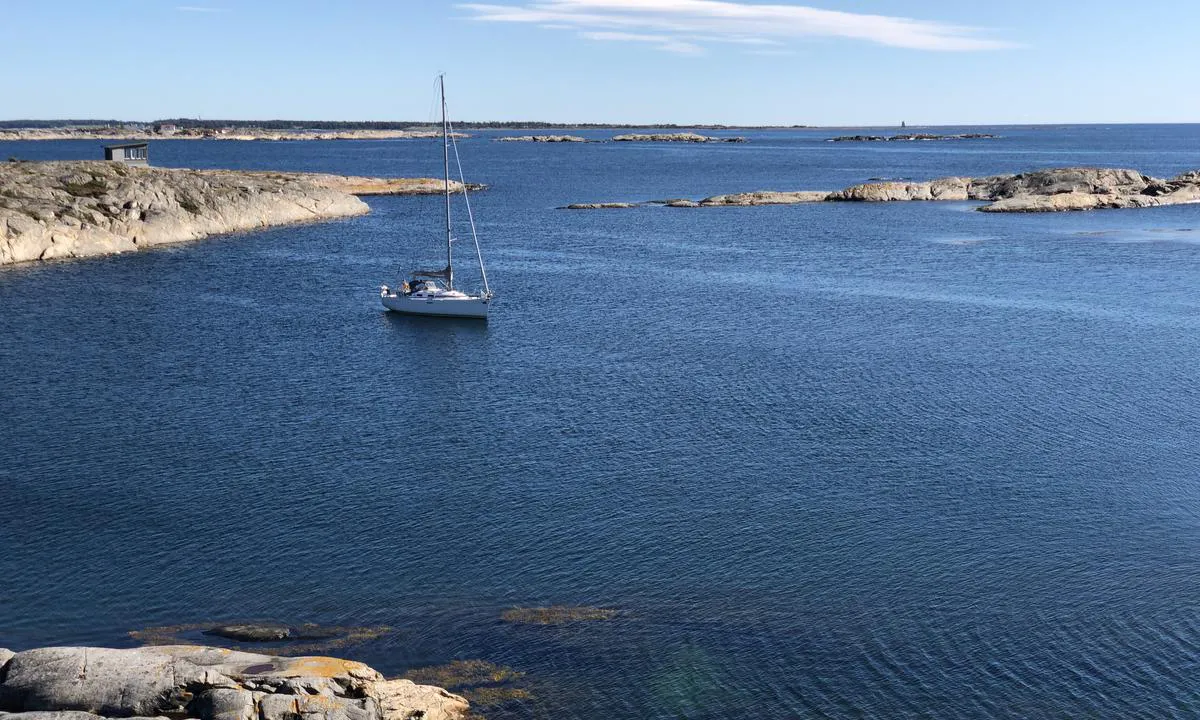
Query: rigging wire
(467, 200)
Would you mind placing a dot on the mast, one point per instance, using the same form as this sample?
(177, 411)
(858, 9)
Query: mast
(446, 175)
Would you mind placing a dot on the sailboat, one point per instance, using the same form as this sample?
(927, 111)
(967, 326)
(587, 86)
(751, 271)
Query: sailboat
(432, 292)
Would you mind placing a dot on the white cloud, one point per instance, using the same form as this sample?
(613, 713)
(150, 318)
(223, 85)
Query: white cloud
(662, 42)
(685, 23)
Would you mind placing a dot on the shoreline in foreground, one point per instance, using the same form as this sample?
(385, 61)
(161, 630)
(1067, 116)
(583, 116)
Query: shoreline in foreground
(74, 209)
(207, 683)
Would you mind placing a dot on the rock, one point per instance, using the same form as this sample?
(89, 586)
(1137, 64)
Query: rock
(764, 197)
(406, 700)
(1044, 203)
(951, 188)
(675, 137)
(1103, 181)
(355, 185)
(62, 715)
(1053, 190)
(542, 138)
(210, 684)
(600, 206)
(909, 137)
(98, 208)
(107, 682)
(5, 656)
(226, 704)
(557, 614)
(251, 633)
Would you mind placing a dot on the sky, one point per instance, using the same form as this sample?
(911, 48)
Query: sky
(735, 62)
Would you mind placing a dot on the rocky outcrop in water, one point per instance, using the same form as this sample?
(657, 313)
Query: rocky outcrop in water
(600, 206)
(78, 209)
(763, 197)
(951, 188)
(1042, 190)
(1038, 191)
(355, 185)
(544, 139)
(686, 137)
(909, 137)
(189, 681)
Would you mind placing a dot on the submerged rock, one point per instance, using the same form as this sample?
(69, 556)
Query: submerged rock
(251, 633)
(486, 685)
(211, 684)
(557, 614)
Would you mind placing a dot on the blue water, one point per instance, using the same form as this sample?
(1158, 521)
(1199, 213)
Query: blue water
(830, 461)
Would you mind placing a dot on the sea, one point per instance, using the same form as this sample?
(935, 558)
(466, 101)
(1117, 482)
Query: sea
(834, 460)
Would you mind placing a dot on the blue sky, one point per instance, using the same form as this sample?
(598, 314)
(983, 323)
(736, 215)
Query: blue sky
(854, 62)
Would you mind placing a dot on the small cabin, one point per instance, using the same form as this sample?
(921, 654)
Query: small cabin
(132, 154)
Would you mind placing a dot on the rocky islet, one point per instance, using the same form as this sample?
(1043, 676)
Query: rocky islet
(1051, 190)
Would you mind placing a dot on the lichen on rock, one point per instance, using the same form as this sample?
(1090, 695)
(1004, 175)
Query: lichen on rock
(188, 681)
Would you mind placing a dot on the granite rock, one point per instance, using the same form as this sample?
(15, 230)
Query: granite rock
(688, 137)
(207, 683)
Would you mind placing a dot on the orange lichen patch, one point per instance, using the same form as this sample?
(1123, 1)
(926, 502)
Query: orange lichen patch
(164, 634)
(324, 667)
(557, 614)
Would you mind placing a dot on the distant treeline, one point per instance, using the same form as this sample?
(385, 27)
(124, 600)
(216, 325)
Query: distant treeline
(7, 124)
(344, 124)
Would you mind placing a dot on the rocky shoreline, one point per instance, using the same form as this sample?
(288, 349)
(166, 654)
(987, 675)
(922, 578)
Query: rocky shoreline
(244, 134)
(1053, 190)
(74, 209)
(207, 683)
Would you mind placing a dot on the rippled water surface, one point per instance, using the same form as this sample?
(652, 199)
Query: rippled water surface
(828, 460)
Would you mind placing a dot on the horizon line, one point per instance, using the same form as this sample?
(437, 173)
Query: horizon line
(536, 124)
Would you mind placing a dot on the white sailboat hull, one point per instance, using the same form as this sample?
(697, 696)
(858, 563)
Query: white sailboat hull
(462, 307)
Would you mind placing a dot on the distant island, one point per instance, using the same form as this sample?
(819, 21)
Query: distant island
(544, 139)
(908, 137)
(170, 132)
(687, 137)
(1050, 190)
(684, 137)
(330, 125)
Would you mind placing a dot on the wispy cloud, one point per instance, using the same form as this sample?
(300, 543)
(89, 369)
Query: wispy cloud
(687, 25)
(199, 9)
(662, 42)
